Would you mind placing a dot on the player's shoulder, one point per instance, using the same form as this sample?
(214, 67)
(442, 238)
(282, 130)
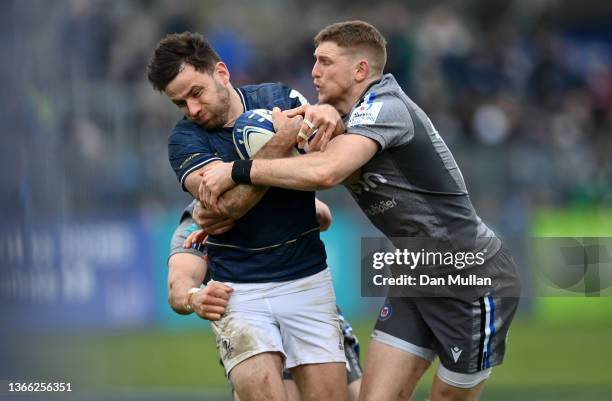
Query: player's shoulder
(186, 130)
(386, 89)
(385, 97)
(270, 95)
(265, 89)
(186, 125)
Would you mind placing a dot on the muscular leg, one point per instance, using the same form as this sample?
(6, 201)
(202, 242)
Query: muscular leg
(321, 381)
(390, 374)
(441, 391)
(259, 378)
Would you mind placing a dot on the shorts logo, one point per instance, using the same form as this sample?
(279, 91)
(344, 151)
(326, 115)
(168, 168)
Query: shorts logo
(385, 313)
(226, 348)
(456, 351)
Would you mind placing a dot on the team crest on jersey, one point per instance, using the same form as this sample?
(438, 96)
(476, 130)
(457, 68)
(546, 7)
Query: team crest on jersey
(366, 113)
(385, 313)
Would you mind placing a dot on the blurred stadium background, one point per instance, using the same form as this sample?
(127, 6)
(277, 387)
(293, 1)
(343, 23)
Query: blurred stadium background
(520, 90)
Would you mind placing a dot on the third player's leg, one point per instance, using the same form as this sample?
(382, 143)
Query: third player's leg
(390, 374)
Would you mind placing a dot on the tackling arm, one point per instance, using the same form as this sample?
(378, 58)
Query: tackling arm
(317, 170)
(235, 200)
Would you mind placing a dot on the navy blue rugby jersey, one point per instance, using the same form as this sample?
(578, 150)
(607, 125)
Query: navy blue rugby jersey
(278, 239)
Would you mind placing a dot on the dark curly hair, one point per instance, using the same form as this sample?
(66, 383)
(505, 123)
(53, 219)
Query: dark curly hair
(175, 50)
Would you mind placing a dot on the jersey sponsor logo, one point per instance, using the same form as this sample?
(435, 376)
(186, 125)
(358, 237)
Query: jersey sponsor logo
(456, 351)
(187, 160)
(365, 114)
(367, 182)
(380, 207)
(385, 313)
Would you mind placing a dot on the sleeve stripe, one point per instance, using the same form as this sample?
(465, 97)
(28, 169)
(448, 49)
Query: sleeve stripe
(242, 98)
(190, 170)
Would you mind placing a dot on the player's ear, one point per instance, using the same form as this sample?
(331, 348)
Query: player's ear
(362, 69)
(222, 72)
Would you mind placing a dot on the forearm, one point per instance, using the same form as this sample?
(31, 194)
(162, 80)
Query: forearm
(344, 155)
(280, 145)
(177, 295)
(237, 201)
(186, 271)
(310, 172)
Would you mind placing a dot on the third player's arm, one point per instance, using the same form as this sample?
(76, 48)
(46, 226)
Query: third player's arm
(187, 271)
(317, 170)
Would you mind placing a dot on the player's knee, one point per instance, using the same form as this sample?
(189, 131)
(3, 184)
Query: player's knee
(256, 385)
(454, 386)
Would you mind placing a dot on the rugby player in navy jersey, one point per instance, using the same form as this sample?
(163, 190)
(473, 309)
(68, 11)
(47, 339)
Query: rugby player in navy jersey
(264, 244)
(405, 179)
(188, 259)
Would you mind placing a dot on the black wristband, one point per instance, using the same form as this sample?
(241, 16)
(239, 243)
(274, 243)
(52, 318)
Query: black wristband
(241, 171)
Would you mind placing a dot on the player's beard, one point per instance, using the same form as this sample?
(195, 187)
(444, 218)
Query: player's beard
(220, 110)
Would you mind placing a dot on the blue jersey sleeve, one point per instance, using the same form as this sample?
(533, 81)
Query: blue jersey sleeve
(188, 150)
(268, 96)
(296, 98)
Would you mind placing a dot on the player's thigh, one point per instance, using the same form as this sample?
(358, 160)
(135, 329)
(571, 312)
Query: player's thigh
(390, 374)
(470, 331)
(354, 372)
(246, 330)
(400, 352)
(259, 378)
(321, 381)
(309, 323)
(442, 391)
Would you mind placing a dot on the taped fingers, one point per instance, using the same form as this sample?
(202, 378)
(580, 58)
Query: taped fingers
(309, 124)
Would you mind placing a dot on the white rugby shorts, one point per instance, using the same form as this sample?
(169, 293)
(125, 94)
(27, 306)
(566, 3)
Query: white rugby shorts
(297, 318)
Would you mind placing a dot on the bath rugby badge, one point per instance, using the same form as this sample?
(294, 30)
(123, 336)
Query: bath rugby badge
(385, 312)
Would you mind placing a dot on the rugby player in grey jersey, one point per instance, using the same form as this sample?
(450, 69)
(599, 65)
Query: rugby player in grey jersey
(405, 179)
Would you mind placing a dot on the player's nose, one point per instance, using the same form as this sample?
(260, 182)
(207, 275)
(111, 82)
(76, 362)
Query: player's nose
(194, 108)
(315, 73)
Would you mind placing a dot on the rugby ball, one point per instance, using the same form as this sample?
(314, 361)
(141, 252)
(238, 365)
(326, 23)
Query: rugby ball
(252, 130)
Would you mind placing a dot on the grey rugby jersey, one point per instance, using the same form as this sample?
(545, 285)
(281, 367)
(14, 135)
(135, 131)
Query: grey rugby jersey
(412, 187)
